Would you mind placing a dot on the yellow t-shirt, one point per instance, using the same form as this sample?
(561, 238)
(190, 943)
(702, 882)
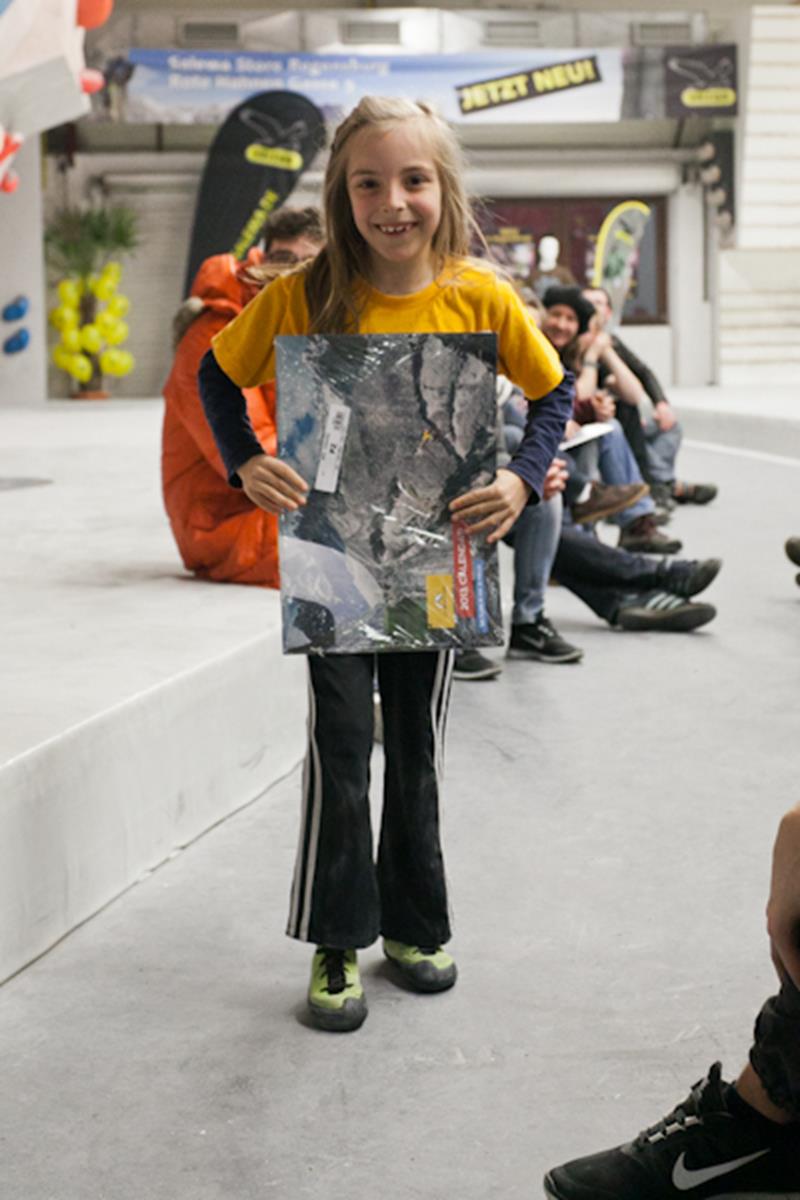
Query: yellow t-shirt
(472, 299)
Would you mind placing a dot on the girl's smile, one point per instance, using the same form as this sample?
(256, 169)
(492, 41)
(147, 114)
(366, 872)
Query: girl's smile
(395, 196)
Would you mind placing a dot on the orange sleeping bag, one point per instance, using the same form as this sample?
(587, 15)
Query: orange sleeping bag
(221, 534)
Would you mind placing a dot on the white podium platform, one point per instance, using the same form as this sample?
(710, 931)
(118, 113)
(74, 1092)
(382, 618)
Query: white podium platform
(140, 706)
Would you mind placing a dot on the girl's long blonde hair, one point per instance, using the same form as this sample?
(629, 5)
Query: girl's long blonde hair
(332, 277)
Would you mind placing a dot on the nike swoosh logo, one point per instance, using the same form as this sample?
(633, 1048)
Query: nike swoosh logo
(684, 1179)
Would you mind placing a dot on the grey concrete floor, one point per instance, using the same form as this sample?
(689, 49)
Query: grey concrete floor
(607, 833)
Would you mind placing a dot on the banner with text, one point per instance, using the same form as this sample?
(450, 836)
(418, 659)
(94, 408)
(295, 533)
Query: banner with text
(177, 86)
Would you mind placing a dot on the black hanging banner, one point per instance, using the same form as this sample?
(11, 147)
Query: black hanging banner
(254, 162)
(701, 81)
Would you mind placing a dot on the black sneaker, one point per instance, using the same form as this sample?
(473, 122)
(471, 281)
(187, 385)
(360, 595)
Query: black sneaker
(693, 493)
(689, 578)
(471, 664)
(642, 537)
(711, 1146)
(543, 642)
(662, 612)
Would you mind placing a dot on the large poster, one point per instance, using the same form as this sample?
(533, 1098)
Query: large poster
(386, 431)
(539, 85)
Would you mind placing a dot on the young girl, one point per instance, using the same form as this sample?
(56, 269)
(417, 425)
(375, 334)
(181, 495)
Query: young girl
(396, 261)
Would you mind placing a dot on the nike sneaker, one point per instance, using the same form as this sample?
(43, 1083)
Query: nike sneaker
(424, 968)
(335, 995)
(714, 1145)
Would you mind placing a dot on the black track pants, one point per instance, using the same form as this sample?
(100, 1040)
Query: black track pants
(340, 896)
(776, 1051)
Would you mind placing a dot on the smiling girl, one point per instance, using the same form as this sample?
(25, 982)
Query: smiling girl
(399, 228)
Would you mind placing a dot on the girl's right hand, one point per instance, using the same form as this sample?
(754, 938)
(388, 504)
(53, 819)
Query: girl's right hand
(272, 484)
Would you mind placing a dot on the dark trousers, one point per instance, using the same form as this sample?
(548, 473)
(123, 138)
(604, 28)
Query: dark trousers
(341, 896)
(630, 419)
(601, 575)
(775, 1055)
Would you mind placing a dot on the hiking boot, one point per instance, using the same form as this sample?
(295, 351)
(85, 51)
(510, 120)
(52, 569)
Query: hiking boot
(642, 537)
(693, 493)
(335, 995)
(471, 664)
(606, 499)
(714, 1145)
(688, 578)
(662, 612)
(793, 550)
(541, 641)
(424, 968)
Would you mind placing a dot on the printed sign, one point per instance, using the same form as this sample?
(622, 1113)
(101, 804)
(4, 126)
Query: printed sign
(701, 81)
(541, 81)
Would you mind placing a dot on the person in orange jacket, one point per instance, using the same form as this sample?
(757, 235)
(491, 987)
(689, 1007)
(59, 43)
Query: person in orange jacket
(220, 533)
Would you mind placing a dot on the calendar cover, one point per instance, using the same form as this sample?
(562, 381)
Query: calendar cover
(386, 431)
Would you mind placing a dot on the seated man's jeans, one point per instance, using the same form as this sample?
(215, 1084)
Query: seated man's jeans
(662, 451)
(535, 540)
(611, 458)
(775, 1055)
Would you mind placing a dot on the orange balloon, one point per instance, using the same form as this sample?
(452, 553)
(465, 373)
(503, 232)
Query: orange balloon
(92, 13)
(92, 81)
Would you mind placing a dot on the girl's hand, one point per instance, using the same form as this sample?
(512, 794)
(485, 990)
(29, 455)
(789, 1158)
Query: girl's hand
(272, 484)
(556, 479)
(495, 507)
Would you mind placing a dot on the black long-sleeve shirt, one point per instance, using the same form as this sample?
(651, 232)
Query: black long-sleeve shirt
(226, 411)
(643, 373)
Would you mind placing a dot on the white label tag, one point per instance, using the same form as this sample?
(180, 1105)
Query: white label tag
(330, 462)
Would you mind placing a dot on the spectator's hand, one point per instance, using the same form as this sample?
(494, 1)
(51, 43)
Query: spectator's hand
(495, 507)
(556, 478)
(783, 908)
(572, 429)
(272, 484)
(603, 405)
(602, 343)
(664, 416)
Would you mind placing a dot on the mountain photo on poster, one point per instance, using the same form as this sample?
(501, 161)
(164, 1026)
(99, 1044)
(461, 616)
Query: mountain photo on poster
(386, 431)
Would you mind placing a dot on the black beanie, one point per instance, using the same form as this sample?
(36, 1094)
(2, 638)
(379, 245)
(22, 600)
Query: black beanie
(571, 297)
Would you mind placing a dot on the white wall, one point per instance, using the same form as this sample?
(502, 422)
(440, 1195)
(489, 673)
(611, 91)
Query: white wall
(23, 375)
(690, 313)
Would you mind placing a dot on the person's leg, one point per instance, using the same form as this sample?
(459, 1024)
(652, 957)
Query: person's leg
(630, 419)
(335, 899)
(535, 542)
(662, 451)
(415, 694)
(579, 555)
(771, 1082)
(617, 465)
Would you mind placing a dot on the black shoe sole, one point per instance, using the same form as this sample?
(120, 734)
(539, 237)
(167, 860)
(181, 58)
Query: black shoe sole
(478, 675)
(573, 656)
(643, 546)
(681, 620)
(342, 1020)
(418, 983)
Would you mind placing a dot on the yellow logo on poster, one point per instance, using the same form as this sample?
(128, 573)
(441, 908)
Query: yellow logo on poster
(713, 97)
(441, 602)
(273, 156)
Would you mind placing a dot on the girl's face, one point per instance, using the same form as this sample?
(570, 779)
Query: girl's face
(395, 195)
(560, 325)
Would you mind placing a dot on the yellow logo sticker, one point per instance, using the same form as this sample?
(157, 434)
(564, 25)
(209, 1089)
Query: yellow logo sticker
(713, 97)
(441, 602)
(273, 156)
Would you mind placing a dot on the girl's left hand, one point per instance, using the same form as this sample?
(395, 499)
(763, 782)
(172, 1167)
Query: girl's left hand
(495, 507)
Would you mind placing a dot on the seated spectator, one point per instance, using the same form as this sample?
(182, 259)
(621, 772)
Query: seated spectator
(662, 432)
(220, 533)
(567, 318)
(793, 552)
(726, 1141)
